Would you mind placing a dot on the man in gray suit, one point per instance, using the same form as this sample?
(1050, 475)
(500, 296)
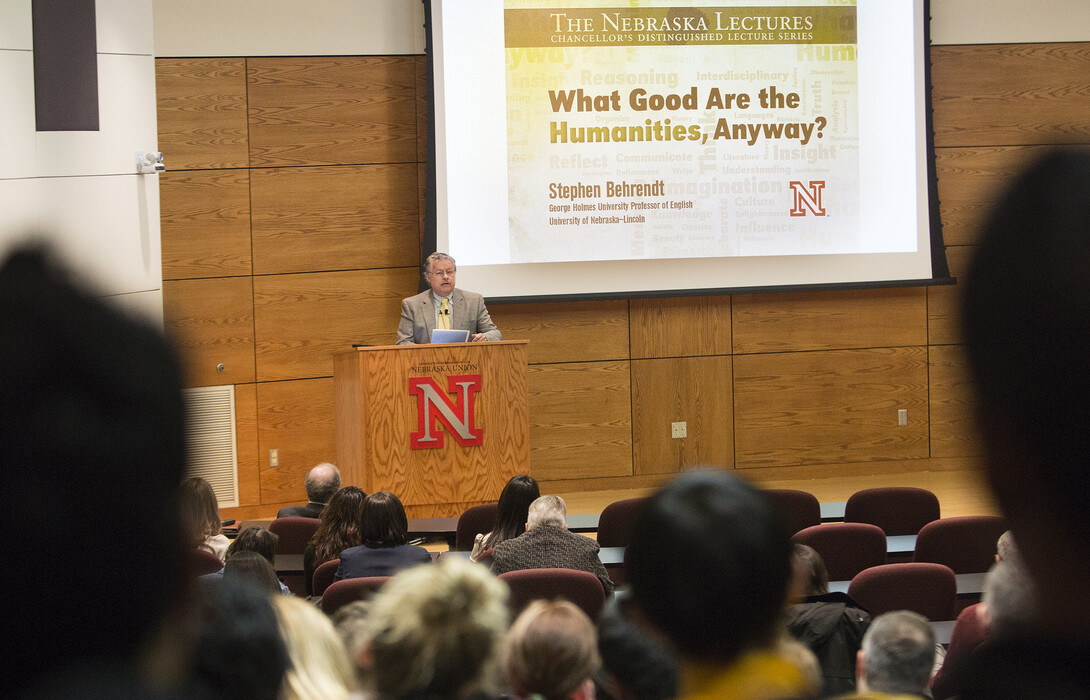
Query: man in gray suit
(443, 306)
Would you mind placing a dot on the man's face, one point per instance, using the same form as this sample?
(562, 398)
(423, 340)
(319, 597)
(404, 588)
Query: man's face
(441, 277)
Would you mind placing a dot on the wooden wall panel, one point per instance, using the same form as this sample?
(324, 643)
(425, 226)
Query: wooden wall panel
(205, 220)
(1008, 94)
(211, 322)
(580, 420)
(334, 218)
(295, 418)
(826, 407)
(332, 110)
(249, 479)
(201, 106)
(300, 320)
(423, 104)
(696, 390)
(829, 320)
(943, 317)
(681, 327)
(586, 331)
(971, 180)
(953, 432)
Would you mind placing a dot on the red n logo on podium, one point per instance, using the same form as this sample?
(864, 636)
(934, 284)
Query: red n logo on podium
(457, 416)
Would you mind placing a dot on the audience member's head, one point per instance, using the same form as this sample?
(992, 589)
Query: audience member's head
(1026, 318)
(92, 434)
(898, 654)
(547, 510)
(254, 539)
(809, 577)
(1009, 600)
(1006, 549)
(352, 625)
(251, 568)
(339, 524)
(436, 630)
(703, 535)
(384, 522)
(320, 668)
(321, 482)
(551, 652)
(199, 510)
(238, 651)
(636, 665)
(513, 509)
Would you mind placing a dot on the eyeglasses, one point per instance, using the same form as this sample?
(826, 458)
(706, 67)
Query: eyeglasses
(447, 272)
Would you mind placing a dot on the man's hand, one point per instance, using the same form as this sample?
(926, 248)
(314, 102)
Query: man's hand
(479, 338)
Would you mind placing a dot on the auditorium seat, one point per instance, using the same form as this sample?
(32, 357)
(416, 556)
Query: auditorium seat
(203, 562)
(898, 510)
(580, 587)
(323, 576)
(847, 548)
(928, 589)
(800, 508)
(293, 534)
(475, 520)
(966, 544)
(349, 590)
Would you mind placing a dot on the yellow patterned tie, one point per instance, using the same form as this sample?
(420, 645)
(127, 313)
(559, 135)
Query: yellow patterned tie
(444, 314)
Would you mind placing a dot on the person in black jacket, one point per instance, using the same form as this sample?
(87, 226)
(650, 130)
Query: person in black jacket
(830, 624)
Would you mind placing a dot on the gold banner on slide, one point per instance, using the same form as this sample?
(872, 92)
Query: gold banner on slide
(679, 26)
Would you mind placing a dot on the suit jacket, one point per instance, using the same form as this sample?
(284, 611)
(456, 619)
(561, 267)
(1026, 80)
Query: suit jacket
(362, 561)
(467, 308)
(550, 547)
(310, 510)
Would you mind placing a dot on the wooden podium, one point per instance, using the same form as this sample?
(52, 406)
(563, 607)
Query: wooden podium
(442, 426)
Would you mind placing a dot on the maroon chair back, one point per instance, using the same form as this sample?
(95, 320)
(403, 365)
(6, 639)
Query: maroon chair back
(847, 548)
(898, 510)
(580, 587)
(615, 522)
(800, 509)
(294, 533)
(323, 576)
(349, 590)
(965, 544)
(475, 520)
(202, 562)
(928, 589)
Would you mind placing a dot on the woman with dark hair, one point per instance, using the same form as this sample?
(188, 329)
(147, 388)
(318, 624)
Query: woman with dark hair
(254, 570)
(338, 530)
(514, 504)
(200, 514)
(252, 539)
(385, 549)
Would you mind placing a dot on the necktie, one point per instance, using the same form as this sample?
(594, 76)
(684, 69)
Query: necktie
(444, 314)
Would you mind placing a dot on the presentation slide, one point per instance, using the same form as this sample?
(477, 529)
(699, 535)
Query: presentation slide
(587, 146)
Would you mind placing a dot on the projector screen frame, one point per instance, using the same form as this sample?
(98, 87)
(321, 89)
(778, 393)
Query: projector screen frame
(940, 272)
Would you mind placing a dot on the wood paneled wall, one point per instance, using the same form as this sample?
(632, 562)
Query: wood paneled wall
(291, 219)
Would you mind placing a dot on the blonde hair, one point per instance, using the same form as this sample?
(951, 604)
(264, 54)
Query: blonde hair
(320, 667)
(436, 629)
(551, 650)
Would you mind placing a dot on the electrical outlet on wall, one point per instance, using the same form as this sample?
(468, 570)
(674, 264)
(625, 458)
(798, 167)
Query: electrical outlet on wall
(679, 430)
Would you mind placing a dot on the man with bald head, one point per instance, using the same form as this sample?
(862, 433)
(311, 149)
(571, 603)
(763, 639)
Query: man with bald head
(321, 483)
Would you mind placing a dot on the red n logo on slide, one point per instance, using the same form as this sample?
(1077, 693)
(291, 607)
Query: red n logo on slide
(808, 195)
(457, 416)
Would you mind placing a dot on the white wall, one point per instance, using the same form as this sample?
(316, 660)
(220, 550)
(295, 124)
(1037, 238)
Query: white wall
(80, 190)
(1009, 21)
(288, 27)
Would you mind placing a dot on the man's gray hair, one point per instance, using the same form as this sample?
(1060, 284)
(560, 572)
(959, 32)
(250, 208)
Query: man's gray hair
(322, 481)
(547, 510)
(436, 257)
(1010, 599)
(898, 653)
